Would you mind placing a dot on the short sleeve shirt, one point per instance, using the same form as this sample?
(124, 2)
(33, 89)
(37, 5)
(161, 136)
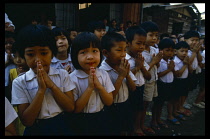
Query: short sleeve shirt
(139, 75)
(10, 113)
(56, 63)
(25, 87)
(178, 65)
(195, 60)
(148, 58)
(169, 77)
(123, 93)
(80, 79)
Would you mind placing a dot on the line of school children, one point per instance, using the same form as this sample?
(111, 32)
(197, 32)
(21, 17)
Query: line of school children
(101, 86)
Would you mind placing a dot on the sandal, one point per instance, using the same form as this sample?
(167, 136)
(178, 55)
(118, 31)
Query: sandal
(185, 113)
(148, 131)
(163, 125)
(180, 116)
(174, 121)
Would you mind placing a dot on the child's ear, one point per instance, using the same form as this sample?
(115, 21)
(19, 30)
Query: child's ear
(105, 52)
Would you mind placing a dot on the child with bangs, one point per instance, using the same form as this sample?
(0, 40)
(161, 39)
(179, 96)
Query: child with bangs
(43, 94)
(93, 86)
(62, 58)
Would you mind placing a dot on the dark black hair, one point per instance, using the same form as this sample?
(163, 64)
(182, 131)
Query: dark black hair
(166, 43)
(191, 33)
(71, 29)
(131, 31)
(108, 40)
(58, 32)
(164, 35)
(182, 44)
(128, 22)
(9, 34)
(83, 41)
(149, 26)
(93, 25)
(35, 35)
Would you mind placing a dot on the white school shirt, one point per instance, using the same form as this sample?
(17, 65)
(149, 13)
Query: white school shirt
(56, 63)
(123, 93)
(7, 69)
(25, 87)
(10, 113)
(178, 65)
(148, 58)
(195, 60)
(169, 77)
(139, 75)
(80, 79)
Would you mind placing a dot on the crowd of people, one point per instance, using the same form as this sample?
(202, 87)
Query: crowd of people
(101, 81)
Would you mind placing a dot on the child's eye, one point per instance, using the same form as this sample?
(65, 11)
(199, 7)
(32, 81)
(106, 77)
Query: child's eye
(95, 51)
(44, 53)
(82, 52)
(30, 54)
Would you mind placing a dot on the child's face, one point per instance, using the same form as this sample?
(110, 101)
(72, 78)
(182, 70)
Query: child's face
(192, 41)
(89, 57)
(20, 62)
(38, 53)
(152, 38)
(117, 52)
(100, 33)
(62, 43)
(8, 44)
(181, 53)
(137, 44)
(168, 53)
(73, 34)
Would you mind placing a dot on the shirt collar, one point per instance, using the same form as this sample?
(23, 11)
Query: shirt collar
(177, 59)
(54, 59)
(30, 74)
(106, 66)
(81, 74)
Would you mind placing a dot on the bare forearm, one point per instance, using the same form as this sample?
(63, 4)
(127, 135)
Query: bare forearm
(117, 86)
(160, 74)
(178, 73)
(130, 83)
(107, 98)
(146, 73)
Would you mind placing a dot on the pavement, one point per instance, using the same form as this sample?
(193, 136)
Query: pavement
(193, 126)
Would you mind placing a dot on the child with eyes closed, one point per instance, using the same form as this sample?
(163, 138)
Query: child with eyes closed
(114, 49)
(43, 93)
(93, 86)
(62, 58)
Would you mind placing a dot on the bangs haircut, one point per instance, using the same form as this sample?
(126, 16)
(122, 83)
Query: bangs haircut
(35, 35)
(166, 43)
(59, 32)
(191, 33)
(108, 40)
(82, 41)
(150, 26)
(182, 44)
(131, 31)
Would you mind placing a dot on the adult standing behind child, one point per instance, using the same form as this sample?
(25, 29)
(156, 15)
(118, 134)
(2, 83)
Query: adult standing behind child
(136, 38)
(114, 49)
(93, 86)
(152, 58)
(62, 58)
(43, 93)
